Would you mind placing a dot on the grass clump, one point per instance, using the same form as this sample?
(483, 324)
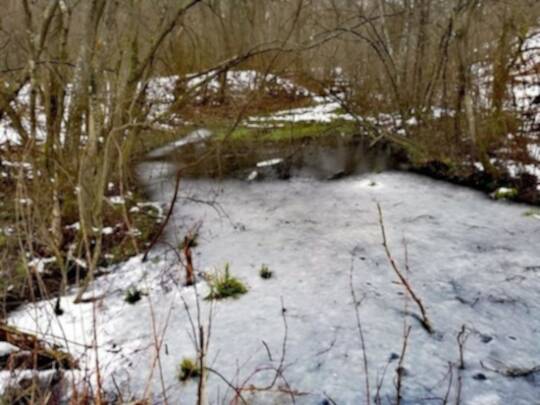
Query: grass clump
(225, 286)
(534, 213)
(188, 369)
(133, 295)
(265, 272)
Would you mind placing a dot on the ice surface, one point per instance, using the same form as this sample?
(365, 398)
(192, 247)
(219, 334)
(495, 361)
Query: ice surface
(473, 261)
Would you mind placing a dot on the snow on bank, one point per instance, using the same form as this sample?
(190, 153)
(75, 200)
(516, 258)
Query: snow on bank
(473, 261)
(194, 137)
(325, 112)
(240, 81)
(8, 132)
(163, 89)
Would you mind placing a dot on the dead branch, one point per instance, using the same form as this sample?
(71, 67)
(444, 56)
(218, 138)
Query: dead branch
(167, 218)
(450, 380)
(357, 304)
(426, 323)
(462, 339)
(400, 370)
(188, 243)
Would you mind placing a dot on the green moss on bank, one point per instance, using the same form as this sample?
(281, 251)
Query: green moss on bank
(280, 132)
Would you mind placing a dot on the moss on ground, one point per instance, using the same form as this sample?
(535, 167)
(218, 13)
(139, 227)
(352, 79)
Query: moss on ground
(286, 131)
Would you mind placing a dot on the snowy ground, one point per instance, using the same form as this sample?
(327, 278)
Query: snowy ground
(473, 261)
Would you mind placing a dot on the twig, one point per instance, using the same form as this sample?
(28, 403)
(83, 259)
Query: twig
(426, 323)
(356, 304)
(167, 218)
(450, 380)
(268, 352)
(378, 400)
(237, 390)
(462, 339)
(329, 399)
(400, 369)
(158, 341)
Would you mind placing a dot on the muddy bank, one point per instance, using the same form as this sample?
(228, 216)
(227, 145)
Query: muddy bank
(326, 157)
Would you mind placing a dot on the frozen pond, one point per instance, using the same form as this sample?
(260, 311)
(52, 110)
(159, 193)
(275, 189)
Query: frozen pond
(473, 262)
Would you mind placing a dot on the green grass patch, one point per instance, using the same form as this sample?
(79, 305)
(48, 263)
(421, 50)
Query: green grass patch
(265, 272)
(188, 369)
(286, 131)
(133, 295)
(225, 286)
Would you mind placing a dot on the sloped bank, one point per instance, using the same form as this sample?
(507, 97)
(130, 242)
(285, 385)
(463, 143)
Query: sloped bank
(335, 150)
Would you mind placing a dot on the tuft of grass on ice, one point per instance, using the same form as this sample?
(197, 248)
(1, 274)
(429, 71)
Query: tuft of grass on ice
(225, 286)
(133, 295)
(265, 272)
(188, 369)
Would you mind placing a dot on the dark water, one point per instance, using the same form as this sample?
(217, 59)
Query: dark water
(330, 157)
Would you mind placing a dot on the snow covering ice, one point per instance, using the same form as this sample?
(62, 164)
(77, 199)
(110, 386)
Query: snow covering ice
(473, 261)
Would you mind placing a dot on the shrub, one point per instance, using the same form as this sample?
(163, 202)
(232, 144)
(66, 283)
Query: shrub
(225, 286)
(265, 272)
(188, 369)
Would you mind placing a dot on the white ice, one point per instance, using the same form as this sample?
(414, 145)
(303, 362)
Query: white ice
(473, 261)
